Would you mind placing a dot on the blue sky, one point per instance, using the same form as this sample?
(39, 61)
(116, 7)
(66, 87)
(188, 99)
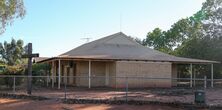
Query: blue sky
(56, 26)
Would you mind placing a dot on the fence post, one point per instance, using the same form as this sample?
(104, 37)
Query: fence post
(14, 84)
(47, 80)
(115, 88)
(191, 75)
(205, 82)
(65, 89)
(212, 75)
(52, 81)
(126, 89)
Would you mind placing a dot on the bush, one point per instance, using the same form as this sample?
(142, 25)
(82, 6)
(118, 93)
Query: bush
(12, 71)
(39, 70)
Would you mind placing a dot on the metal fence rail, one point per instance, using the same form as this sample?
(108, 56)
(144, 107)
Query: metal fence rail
(111, 88)
(53, 80)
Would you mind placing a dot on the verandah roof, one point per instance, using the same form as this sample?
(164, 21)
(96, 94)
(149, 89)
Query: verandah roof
(120, 47)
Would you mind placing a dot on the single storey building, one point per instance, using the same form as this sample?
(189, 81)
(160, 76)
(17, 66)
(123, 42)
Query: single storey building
(107, 61)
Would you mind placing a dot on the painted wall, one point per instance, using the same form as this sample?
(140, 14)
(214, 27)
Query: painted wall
(106, 73)
(134, 69)
(111, 70)
(97, 70)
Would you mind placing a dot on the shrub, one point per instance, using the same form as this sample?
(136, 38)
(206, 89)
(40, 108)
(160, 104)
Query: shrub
(12, 71)
(39, 70)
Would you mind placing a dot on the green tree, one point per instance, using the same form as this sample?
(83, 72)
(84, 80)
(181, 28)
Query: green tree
(9, 10)
(40, 70)
(12, 70)
(167, 41)
(213, 21)
(205, 40)
(138, 40)
(198, 36)
(11, 53)
(158, 40)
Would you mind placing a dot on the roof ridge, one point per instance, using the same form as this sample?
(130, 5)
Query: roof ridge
(133, 41)
(90, 43)
(123, 35)
(111, 37)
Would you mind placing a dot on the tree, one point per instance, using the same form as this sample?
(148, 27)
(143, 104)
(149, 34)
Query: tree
(213, 21)
(167, 41)
(198, 36)
(158, 40)
(205, 35)
(9, 10)
(11, 53)
(12, 70)
(138, 40)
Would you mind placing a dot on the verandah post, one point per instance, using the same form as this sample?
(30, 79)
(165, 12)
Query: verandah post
(52, 74)
(194, 78)
(127, 87)
(89, 73)
(205, 82)
(59, 74)
(212, 75)
(191, 75)
(14, 84)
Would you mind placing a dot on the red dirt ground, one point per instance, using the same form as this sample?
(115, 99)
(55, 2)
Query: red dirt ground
(213, 96)
(17, 104)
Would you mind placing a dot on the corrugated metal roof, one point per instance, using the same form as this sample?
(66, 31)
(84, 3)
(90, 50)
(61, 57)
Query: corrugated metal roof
(120, 47)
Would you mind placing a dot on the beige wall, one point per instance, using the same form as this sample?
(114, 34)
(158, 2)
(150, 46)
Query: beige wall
(98, 70)
(143, 69)
(65, 65)
(53, 71)
(111, 66)
(107, 71)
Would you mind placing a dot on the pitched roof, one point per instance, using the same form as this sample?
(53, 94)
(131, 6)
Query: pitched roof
(120, 47)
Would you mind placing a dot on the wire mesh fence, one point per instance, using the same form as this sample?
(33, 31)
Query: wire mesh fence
(111, 88)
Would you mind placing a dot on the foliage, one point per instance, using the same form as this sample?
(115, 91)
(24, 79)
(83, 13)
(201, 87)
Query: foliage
(11, 53)
(138, 40)
(158, 40)
(40, 70)
(15, 71)
(179, 33)
(213, 21)
(2, 66)
(198, 36)
(208, 43)
(9, 10)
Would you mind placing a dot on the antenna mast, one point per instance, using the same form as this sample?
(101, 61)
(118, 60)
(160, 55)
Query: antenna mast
(120, 22)
(87, 39)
